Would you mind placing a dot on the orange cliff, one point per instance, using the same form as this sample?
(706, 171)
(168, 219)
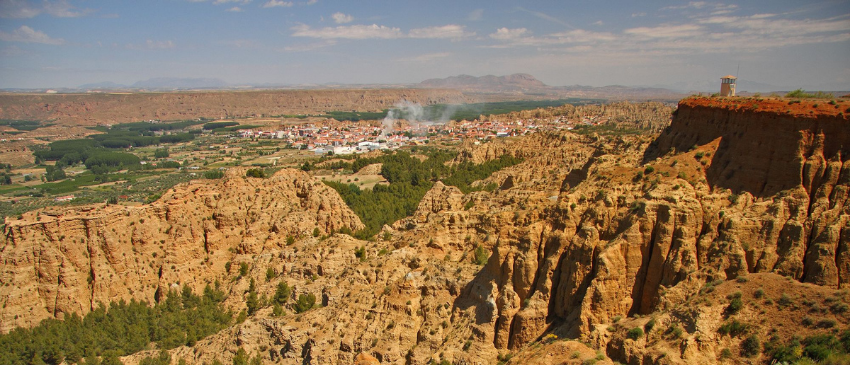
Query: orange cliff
(766, 145)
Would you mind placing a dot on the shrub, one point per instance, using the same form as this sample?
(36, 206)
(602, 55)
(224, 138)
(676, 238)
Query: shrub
(634, 333)
(481, 255)
(649, 325)
(290, 240)
(316, 232)
(819, 347)
(785, 300)
(733, 328)
(758, 293)
(360, 253)
(213, 174)
(304, 303)
(243, 269)
(282, 293)
(735, 306)
(750, 346)
(467, 345)
(827, 323)
(648, 170)
(638, 176)
(676, 331)
(258, 173)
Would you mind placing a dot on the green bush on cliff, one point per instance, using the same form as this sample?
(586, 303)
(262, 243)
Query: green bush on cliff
(410, 179)
(800, 93)
(181, 318)
(304, 303)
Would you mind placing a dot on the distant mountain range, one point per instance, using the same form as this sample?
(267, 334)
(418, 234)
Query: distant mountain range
(490, 83)
(162, 83)
(519, 85)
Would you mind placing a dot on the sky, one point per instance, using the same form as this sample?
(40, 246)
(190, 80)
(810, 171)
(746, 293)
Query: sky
(67, 43)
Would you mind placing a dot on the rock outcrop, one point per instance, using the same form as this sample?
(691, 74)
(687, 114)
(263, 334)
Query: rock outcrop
(69, 260)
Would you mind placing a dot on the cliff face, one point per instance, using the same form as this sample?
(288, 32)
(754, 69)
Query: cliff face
(586, 230)
(90, 109)
(622, 237)
(764, 147)
(64, 261)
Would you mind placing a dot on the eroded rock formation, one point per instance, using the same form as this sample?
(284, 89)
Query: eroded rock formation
(70, 260)
(586, 231)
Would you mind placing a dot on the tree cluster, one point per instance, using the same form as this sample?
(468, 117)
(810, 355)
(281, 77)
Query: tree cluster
(410, 178)
(182, 318)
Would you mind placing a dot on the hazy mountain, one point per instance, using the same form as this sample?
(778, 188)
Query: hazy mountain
(103, 85)
(180, 83)
(490, 83)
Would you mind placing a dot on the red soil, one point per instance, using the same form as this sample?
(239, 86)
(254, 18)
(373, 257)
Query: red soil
(798, 107)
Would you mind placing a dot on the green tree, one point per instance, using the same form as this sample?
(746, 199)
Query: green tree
(241, 357)
(257, 359)
(304, 303)
(281, 295)
(258, 173)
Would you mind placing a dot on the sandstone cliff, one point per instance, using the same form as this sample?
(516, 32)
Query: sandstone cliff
(588, 237)
(91, 109)
(69, 260)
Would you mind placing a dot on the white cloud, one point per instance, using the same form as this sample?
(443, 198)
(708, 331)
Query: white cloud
(666, 31)
(309, 46)
(12, 51)
(763, 24)
(341, 18)
(373, 31)
(598, 22)
(637, 15)
(521, 37)
(152, 45)
(277, 3)
(235, 9)
(241, 43)
(425, 57)
(62, 9)
(218, 2)
(450, 31)
(583, 36)
(475, 15)
(311, 2)
(28, 35)
(159, 44)
(509, 34)
(691, 5)
(23, 9)
(545, 16)
(17, 9)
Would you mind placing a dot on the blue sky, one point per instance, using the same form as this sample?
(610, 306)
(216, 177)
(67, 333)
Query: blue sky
(66, 43)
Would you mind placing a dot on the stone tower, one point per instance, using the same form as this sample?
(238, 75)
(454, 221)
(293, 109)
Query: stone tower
(727, 85)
